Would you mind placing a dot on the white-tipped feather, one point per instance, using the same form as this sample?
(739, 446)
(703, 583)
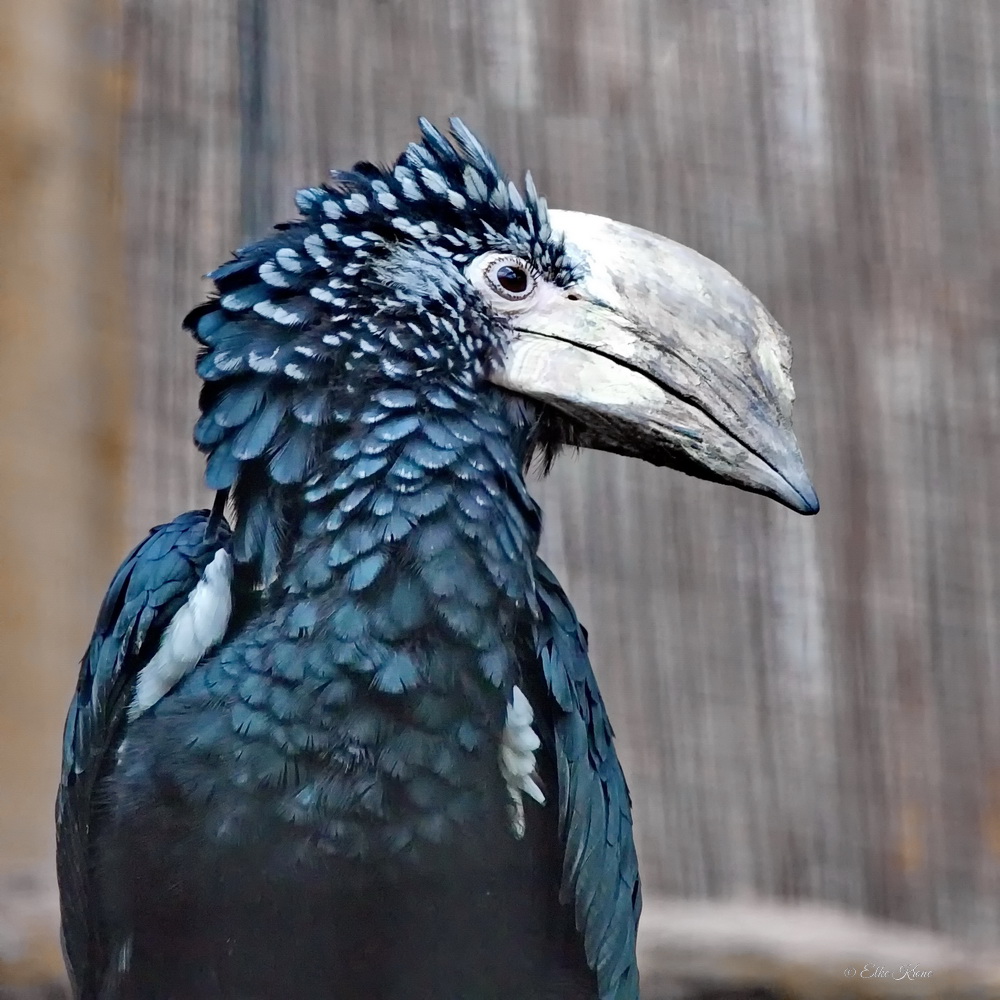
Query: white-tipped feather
(198, 625)
(517, 759)
(270, 273)
(407, 184)
(357, 203)
(264, 363)
(475, 185)
(433, 181)
(289, 260)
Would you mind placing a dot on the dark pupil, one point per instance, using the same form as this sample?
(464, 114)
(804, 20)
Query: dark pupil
(512, 279)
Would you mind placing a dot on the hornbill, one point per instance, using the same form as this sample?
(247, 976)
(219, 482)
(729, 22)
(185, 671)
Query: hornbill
(351, 747)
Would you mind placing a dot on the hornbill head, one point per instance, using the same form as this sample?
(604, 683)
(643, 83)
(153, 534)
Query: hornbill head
(439, 271)
(657, 352)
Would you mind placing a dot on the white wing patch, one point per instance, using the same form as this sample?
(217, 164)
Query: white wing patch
(197, 626)
(517, 759)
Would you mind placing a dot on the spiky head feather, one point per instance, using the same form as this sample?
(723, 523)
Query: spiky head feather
(365, 293)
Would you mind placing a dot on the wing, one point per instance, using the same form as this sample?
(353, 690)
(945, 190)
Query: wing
(162, 611)
(600, 877)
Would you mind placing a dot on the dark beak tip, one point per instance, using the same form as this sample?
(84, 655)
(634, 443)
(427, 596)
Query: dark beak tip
(795, 489)
(809, 505)
(801, 497)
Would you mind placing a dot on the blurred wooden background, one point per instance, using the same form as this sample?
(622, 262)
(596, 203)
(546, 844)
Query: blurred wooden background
(65, 414)
(807, 709)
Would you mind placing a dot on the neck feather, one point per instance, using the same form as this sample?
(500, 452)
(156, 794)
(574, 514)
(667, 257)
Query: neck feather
(417, 504)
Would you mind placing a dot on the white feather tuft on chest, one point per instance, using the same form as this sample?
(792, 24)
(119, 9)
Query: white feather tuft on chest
(517, 759)
(198, 625)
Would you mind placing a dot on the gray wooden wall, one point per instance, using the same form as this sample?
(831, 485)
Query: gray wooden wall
(806, 708)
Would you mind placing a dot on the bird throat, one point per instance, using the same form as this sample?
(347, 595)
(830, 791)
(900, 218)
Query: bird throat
(415, 479)
(402, 613)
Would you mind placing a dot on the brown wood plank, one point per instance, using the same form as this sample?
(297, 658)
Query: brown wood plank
(64, 418)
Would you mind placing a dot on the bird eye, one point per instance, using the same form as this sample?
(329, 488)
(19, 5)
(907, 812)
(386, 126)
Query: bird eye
(505, 281)
(512, 278)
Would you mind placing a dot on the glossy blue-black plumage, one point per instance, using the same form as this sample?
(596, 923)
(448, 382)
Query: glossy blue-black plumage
(317, 809)
(600, 878)
(150, 586)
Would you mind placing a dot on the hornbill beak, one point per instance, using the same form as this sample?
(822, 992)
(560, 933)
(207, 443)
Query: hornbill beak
(659, 353)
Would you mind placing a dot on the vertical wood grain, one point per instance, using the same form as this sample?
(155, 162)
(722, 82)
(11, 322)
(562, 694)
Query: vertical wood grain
(64, 414)
(808, 709)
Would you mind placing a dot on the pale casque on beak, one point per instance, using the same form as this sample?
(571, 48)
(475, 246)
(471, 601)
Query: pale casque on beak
(659, 353)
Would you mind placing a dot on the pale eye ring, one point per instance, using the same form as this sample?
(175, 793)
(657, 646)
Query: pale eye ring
(510, 277)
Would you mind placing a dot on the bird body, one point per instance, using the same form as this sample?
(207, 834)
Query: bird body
(353, 747)
(343, 749)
